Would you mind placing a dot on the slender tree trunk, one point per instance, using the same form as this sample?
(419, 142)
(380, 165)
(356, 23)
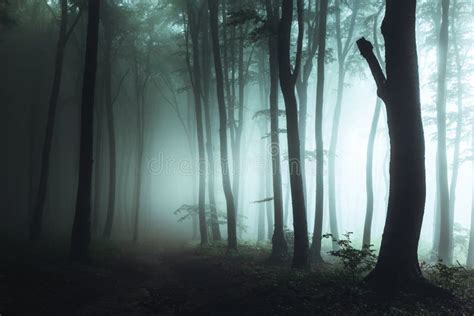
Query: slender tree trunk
(37, 216)
(446, 230)
(80, 238)
(231, 216)
(369, 212)
(206, 66)
(287, 205)
(459, 120)
(279, 246)
(397, 265)
(342, 51)
(332, 157)
(470, 253)
(194, 31)
(287, 84)
(268, 193)
(107, 62)
(366, 240)
(436, 215)
(140, 91)
(318, 218)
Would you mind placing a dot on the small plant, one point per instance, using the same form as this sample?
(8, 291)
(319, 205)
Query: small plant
(447, 276)
(355, 261)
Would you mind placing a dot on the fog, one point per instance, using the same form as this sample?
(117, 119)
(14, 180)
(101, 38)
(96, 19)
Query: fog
(154, 47)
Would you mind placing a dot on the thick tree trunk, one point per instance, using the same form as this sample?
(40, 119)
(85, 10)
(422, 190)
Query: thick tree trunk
(287, 84)
(107, 62)
(319, 208)
(446, 230)
(231, 216)
(80, 238)
(37, 216)
(397, 265)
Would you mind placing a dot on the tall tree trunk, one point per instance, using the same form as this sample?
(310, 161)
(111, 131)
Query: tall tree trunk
(287, 84)
(80, 238)
(446, 230)
(397, 265)
(319, 208)
(236, 150)
(342, 51)
(231, 216)
(194, 31)
(108, 37)
(279, 246)
(287, 205)
(436, 216)
(366, 240)
(459, 120)
(37, 216)
(470, 253)
(302, 87)
(369, 212)
(268, 193)
(206, 66)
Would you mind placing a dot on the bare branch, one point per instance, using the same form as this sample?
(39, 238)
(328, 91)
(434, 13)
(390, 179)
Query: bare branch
(366, 50)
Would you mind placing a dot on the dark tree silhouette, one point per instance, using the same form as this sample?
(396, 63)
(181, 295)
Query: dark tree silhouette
(206, 80)
(318, 217)
(193, 26)
(80, 238)
(287, 84)
(279, 246)
(397, 265)
(107, 64)
(445, 251)
(369, 211)
(37, 215)
(231, 217)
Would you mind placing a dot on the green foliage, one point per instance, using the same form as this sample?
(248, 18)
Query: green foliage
(354, 261)
(455, 278)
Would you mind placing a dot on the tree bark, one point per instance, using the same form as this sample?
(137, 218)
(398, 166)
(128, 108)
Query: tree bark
(80, 238)
(37, 216)
(397, 265)
(194, 31)
(107, 62)
(342, 51)
(287, 84)
(366, 240)
(445, 251)
(369, 212)
(470, 253)
(319, 208)
(231, 216)
(206, 66)
(279, 246)
(459, 119)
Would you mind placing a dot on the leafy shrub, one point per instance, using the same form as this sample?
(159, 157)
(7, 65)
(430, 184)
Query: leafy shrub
(354, 261)
(455, 278)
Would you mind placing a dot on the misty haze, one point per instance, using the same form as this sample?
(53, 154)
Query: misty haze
(237, 157)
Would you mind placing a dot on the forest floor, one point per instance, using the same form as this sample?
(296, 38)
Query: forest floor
(124, 280)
